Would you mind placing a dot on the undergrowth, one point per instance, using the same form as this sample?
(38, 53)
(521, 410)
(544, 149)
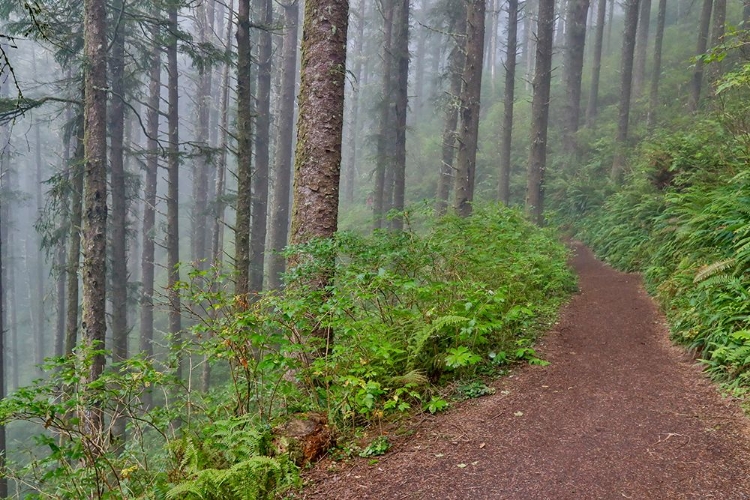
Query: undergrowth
(408, 312)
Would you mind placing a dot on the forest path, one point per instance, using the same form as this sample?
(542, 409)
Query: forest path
(619, 413)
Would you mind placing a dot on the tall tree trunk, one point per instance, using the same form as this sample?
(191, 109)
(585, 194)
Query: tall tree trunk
(653, 103)
(119, 277)
(641, 46)
(201, 164)
(38, 305)
(385, 127)
(262, 144)
(352, 132)
(610, 17)
(530, 37)
(74, 249)
(3, 265)
(173, 189)
(244, 151)
(540, 112)
(149, 204)
(468, 131)
(508, 102)
(697, 80)
(217, 240)
(626, 85)
(456, 61)
(401, 90)
(596, 69)
(575, 41)
(420, 63)
(319, 130)
(492, 56)
(283, 164)
(94, 237)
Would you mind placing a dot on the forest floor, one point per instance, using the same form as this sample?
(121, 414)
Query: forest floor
(619, 413)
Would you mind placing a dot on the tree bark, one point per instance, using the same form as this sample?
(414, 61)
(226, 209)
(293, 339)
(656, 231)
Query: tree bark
(319, 131)
(626, 86)
(697, 80)
(468, 132)
(641, 46)
(717, 36)
(352, 132)
(262, 143)
(592, 107)
(508, 102)
(401, 103)
(575, 41)
(530, 8)
(244, 151)
(94, 237)
(149, 204)
(540, 112)
(74, 249)
(173, 188)
(283, 165)
(653, 103)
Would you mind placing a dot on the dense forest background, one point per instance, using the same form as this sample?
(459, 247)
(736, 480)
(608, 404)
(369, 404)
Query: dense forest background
(623, 122)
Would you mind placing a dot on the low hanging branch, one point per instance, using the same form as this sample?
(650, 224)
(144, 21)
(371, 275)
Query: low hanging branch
(11, 109)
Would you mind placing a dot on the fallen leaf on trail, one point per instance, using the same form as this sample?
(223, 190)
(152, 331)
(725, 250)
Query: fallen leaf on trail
(474, 463)
(461, 466)
(439, 455)
(518, 414)
(482, 445)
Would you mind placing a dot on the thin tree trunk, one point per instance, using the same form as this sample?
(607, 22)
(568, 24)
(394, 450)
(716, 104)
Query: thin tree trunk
(283, 165)
(319, 132)
(149, 204)
(351, 164)
(508, 102)
(626, 85)
(385, 127)
(38, 305)
(468, 131)
(262, 144)
(94, 234)
(74, 250)
(641, 46)
(201, 164)
(456, 61)
(173, 189)
(592, 107)
(540, 112)
(244, 151)
(656, 75)
(697, 80)
(717, 37)
(401, 102)
(531, 39)
(610, 17)
(492, 56)
(575, 41)
(3, 273)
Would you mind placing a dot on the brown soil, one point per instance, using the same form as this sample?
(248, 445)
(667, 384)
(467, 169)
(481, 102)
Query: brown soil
(619, 413)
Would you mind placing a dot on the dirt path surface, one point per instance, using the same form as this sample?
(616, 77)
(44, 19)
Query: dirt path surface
(619, 413)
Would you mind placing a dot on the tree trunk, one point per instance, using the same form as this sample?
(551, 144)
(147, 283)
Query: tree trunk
(94, 237)
(283, 164)
(217, 240)
(575, 41)
(456, 60)
(531, 39)
(592, 107)
(492, 56)
(319, 129)
(244, 151)
(352, 132)
(149, 204)
(173, 188)
(508, 102)
(3, 264)
(540, 112)
(199, 244)
(653, 103)
(74, 250)
(626, 85)
(401, 69)
(262, 142)
(697, 80)
(717, 36)
(641, 46)
(610, 17)
(385, 127)
(468, 132)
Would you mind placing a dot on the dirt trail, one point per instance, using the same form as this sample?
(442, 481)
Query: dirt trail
(619, 413)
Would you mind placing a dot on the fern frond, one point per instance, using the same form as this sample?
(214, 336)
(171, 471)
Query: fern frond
(414, 377)
(713, 269)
